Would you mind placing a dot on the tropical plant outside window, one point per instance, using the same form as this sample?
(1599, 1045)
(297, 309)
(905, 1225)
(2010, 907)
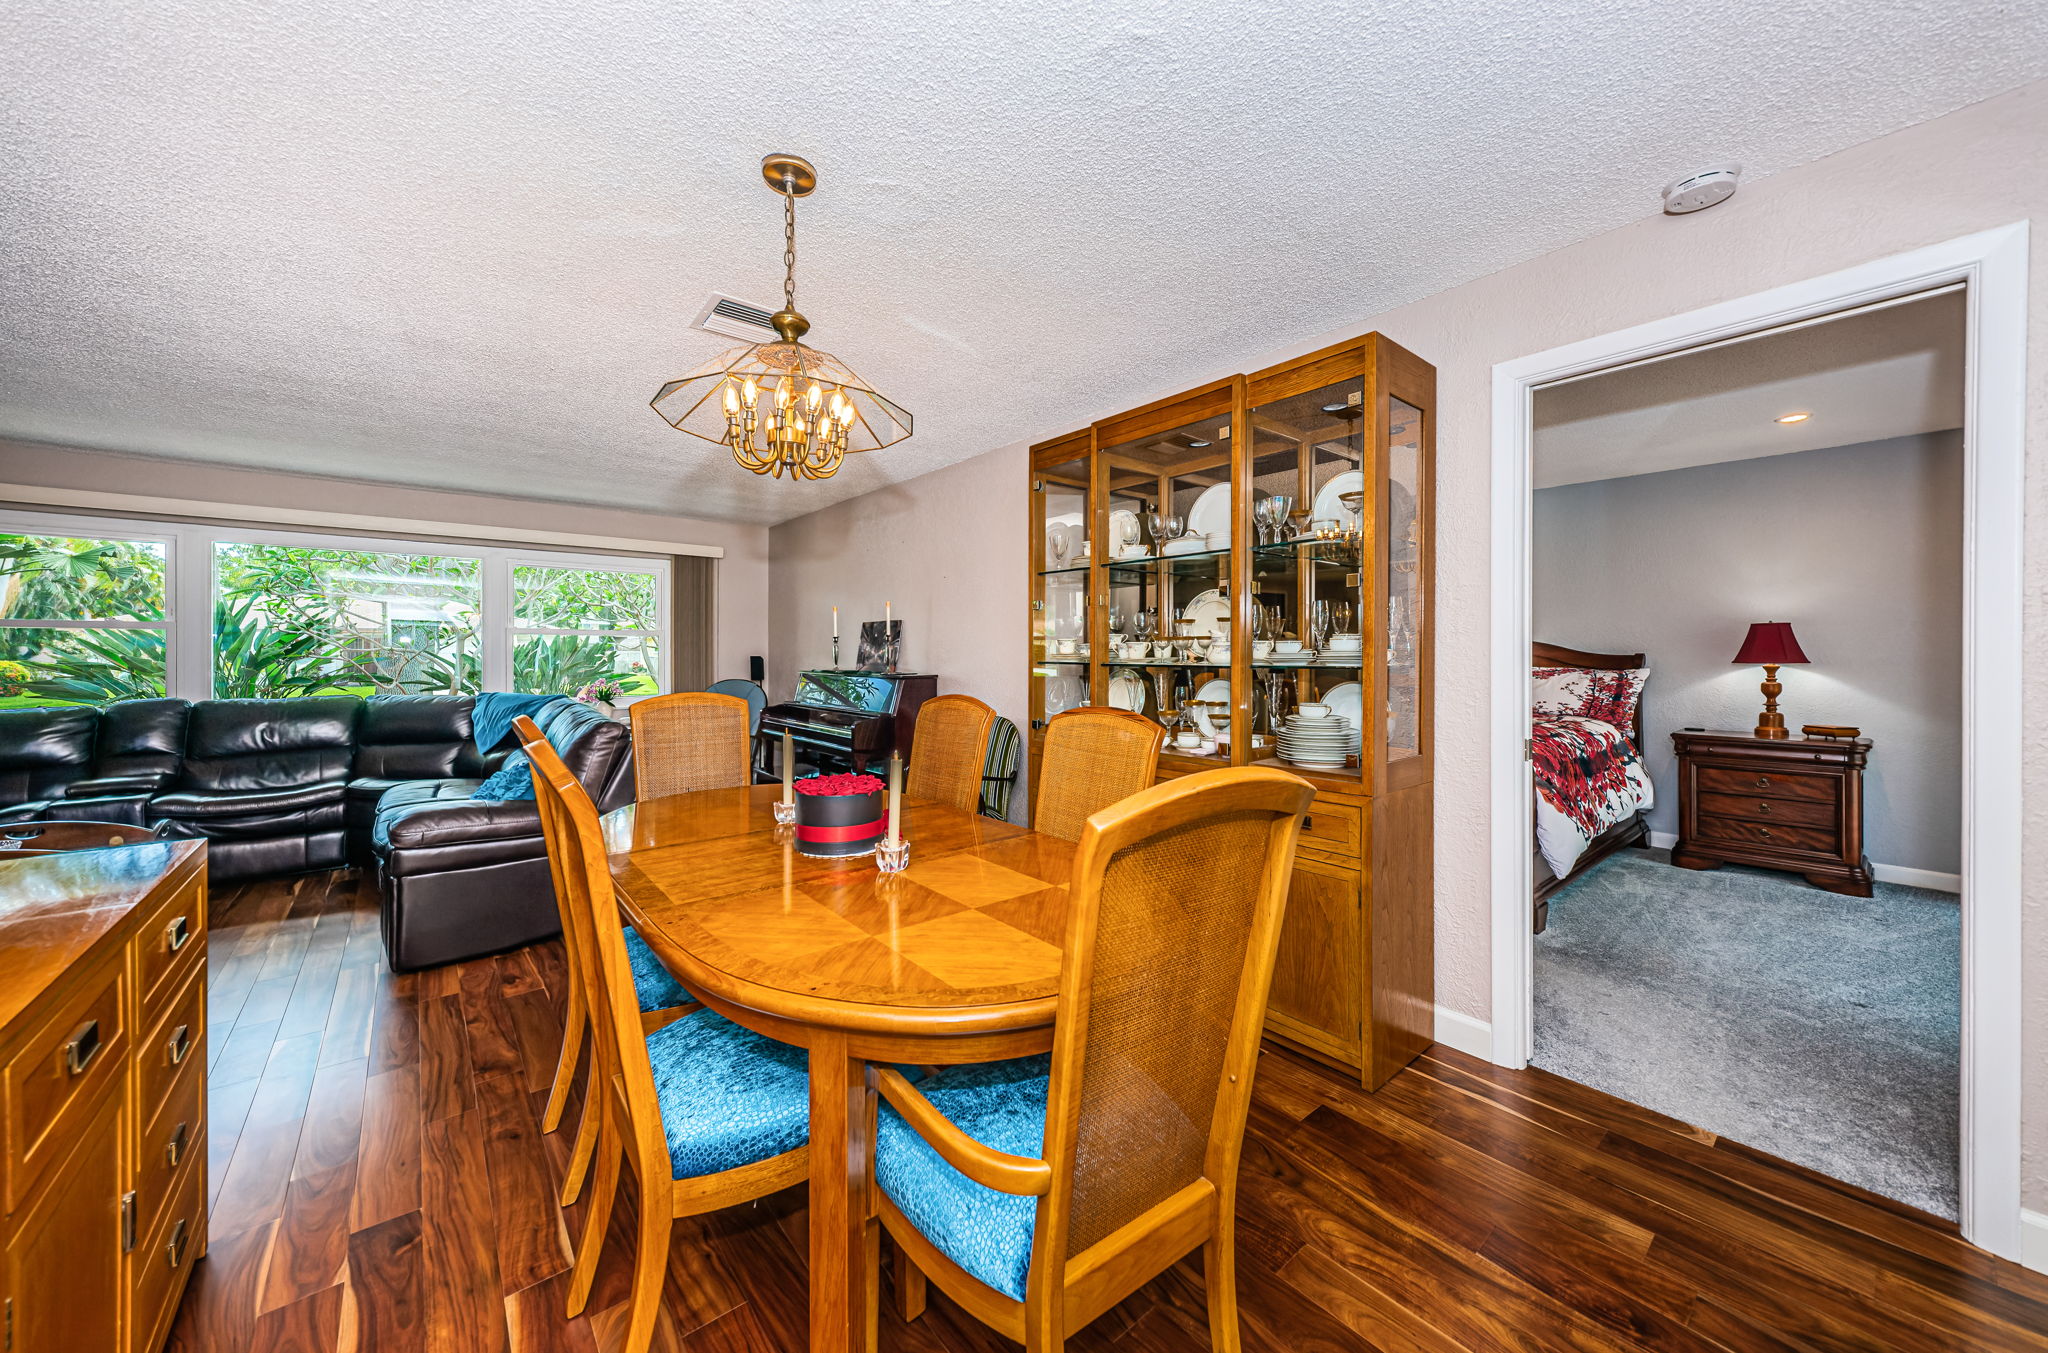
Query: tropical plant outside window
(88, 621)
(572, 626)
(288, 620)
(81, 621)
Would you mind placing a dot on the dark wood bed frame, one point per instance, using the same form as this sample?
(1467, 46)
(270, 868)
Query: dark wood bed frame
(1635, 831)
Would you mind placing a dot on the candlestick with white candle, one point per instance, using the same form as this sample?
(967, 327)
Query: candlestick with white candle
(785, 811)
(892, 856)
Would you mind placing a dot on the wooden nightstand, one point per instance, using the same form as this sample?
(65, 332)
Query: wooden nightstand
(1790, 803)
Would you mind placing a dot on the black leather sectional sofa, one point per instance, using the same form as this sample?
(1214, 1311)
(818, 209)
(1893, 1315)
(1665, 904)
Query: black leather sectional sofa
(284, 786)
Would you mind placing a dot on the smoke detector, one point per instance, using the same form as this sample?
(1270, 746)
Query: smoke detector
(1700, 190)
(736, 319)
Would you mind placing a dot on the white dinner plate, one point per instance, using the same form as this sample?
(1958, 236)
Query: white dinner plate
(1347, 701)
(1211, 512)
(1124, 535)
(1064, 692)
(1210, 611)
(1328, 498)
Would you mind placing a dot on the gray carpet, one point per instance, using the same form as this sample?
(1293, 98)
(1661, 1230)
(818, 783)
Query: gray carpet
(1823, 1029)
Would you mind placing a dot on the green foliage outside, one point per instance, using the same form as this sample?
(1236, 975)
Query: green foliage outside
(292, 621)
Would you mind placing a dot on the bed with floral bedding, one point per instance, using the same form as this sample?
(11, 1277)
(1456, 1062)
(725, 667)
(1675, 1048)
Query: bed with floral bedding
(1592, 789)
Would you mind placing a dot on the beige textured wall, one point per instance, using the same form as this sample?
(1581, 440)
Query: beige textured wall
(742, 574)
(944, 549)
(1983, 166)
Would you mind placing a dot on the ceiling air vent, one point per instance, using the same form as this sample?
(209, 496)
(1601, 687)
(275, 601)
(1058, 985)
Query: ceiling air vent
(736, 319)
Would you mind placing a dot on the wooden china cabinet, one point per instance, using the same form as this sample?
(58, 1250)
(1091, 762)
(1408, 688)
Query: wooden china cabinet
(1168, 576)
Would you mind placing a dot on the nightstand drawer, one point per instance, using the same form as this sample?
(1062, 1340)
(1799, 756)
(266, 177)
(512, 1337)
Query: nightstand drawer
(1791, 812)
(1807, 840)
(1770, 784)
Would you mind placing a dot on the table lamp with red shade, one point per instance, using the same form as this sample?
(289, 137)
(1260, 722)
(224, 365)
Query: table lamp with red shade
(1772, 644)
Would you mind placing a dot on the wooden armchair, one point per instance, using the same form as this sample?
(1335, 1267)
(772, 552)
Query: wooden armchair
(1092, 757)
(1038, 1193)
(689, 741)
(949, 750)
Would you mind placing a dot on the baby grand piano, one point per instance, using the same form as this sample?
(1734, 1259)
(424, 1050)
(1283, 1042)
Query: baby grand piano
(845, 719)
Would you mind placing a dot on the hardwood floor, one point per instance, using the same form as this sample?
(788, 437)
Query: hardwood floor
(381, 1183)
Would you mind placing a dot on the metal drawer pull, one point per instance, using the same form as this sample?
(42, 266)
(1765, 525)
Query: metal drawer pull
(174, 1149)
(82, 1047)
(1766, 831)
(174, 1252)
(181, 1043)
(1763, 782)
(1763, 805)
(1308, 823)
(179, 931)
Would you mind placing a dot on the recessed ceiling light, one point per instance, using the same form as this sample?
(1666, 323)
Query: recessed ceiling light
(1795, 417)
(1196, 443)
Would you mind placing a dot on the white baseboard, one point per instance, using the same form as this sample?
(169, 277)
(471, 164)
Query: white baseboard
(2033, 1238)
(1455, 1029)
(1918, 878)
(1886, 873)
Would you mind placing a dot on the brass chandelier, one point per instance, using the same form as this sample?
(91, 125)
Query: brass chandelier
(782, 406)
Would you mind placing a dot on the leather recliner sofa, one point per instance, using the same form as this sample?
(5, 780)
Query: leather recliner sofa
(283, 786)
(463, 876)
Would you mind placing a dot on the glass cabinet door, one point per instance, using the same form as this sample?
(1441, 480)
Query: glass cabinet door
(1312, 630)
(1404, 551)
(1169, 524)
(1062, 549)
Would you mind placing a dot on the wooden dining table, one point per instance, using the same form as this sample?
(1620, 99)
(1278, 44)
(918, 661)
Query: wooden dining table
(956, 959)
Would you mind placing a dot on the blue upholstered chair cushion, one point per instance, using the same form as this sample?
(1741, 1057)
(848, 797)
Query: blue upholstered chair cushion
(729, 1097)
(653, 983)
(1001, 1105)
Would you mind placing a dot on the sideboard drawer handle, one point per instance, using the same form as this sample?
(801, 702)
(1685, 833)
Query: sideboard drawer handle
(174, 1150)
(1763, 782)
(1766, 831)
(174, 1253)
(179, 931)
(82, 1047)
(181, 1043)
(1763, 805)
(1308, 823)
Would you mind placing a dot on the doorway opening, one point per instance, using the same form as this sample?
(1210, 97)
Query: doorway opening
(1991, 268)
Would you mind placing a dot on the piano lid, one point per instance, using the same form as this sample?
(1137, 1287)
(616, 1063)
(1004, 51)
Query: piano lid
(852, 691)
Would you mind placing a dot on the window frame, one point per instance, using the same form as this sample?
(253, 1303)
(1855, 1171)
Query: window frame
(189, 585)
(61, 526)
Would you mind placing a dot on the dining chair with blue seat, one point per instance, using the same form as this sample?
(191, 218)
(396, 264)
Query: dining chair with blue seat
(1040, 1192)
(660, 997)
(705, 1113)
(743, 689)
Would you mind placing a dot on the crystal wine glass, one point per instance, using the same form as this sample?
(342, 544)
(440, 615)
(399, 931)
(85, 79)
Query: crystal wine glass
(1057, 545)
(1155, 522)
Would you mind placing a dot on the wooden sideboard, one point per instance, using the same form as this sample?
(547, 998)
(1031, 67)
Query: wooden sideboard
(103, 1080)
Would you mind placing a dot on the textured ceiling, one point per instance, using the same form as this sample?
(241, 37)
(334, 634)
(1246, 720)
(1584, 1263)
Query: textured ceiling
(1887, 373)
(461, 246)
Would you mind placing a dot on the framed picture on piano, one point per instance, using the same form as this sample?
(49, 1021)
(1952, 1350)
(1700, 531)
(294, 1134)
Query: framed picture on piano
(879, 644)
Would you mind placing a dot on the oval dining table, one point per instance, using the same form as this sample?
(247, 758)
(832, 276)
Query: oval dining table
(956, 959)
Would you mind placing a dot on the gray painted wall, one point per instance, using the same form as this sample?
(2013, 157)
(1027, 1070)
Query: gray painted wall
(1860, 547)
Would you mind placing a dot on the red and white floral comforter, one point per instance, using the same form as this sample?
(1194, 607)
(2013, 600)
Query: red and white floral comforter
(1588, 777)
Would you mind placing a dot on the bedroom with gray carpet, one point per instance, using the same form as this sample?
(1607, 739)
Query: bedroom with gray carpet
(1820, 1028)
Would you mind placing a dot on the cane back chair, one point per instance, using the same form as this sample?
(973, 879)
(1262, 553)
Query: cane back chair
(705, 1113)
(1038, 1193)
(948, 750)
(689, 741)
(1092, 757)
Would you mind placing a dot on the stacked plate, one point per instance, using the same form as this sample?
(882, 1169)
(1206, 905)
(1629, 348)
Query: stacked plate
(1317, 744)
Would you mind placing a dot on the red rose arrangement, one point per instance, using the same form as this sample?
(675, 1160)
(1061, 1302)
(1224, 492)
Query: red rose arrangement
(836, 785)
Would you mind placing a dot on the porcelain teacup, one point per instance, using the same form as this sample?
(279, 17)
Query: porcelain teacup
(1313, 711)
(1287, 647)
(1262, 648)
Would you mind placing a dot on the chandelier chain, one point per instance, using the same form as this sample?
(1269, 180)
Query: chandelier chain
(788, 242)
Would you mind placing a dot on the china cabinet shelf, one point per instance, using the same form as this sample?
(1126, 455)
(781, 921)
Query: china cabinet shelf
(1343, 438)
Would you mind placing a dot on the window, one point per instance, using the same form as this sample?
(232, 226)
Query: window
(82, 620)
(94, 610)
(572, 626)
(292, 620)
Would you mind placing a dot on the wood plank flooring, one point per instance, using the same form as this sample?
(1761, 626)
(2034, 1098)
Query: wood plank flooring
(381, 1183)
